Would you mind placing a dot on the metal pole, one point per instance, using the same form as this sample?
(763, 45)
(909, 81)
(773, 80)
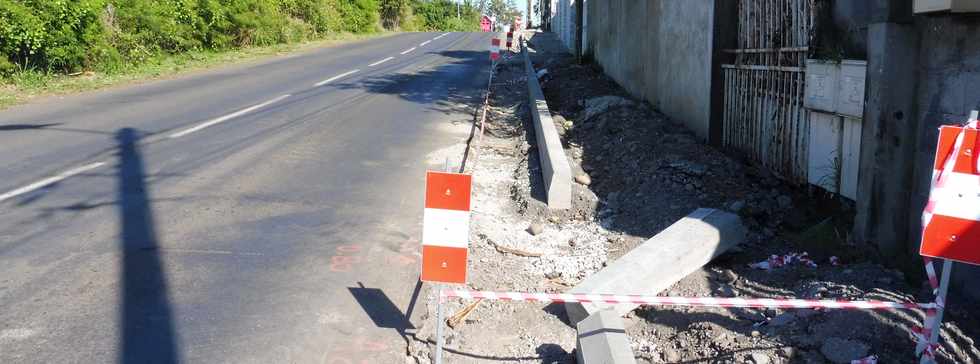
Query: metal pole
(439, 325)
(439, 319)
(936, 325)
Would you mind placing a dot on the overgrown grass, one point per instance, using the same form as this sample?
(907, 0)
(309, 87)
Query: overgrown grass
(26, 84)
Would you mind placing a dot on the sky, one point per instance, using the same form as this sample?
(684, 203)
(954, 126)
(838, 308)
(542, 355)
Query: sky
(522, 4)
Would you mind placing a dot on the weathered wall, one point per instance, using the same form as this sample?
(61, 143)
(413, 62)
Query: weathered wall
(658, 50)
(563, 21)
(948, 83)
(841, 29)
(920, 72)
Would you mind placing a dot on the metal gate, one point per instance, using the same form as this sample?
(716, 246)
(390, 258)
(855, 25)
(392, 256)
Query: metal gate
(763, 111)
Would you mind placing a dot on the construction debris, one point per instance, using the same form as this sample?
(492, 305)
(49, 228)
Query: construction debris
(518, 252)
(646, 172)
(459, 317)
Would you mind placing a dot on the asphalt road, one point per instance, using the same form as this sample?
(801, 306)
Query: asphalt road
(267, 212)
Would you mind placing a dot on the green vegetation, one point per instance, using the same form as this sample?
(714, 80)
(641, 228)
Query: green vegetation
(441, 15)
(42, 41)
(504, 10)
(26, 84)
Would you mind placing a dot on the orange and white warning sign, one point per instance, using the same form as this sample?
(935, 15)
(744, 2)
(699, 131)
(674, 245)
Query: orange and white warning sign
(446, 227)
(951, 219)
(495, 50)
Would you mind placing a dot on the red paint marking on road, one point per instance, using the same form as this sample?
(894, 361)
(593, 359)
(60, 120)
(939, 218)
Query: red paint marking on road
(345, 258)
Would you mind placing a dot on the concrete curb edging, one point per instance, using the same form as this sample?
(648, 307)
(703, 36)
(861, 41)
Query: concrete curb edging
(555, 170)
(602, 339)
(661, 261)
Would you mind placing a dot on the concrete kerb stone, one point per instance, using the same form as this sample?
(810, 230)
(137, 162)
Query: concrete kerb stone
(661, 261)
(555, 170)
(602, 339)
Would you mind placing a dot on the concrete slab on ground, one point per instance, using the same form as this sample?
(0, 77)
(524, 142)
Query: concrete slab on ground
(661, 261)
(556, 171)
(602, 339)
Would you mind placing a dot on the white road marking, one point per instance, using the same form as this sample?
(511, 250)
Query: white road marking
(443, 35)
(16, 334)
(424, 43)
(208, 251)
(381, 61)
(408, 50)
(334, 78)
(50, 180)
(227, 117)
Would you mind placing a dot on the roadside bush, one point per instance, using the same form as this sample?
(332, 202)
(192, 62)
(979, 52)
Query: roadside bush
(54, 33)
(7, 68)
(108, 35)
(359, 16)
(431, 15)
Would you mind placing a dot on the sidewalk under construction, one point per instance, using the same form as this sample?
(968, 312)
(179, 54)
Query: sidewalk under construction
(636, 173)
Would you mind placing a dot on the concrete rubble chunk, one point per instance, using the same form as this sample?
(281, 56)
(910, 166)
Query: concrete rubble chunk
(661, 261)
(535, 229)
(602, 339)
(759, 358)
(839, 350)
(598, 105)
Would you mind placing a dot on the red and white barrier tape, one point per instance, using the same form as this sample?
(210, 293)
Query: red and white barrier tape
(687, 301)
(931, 273)
(869, 360)
(777, 261)
(922, 334)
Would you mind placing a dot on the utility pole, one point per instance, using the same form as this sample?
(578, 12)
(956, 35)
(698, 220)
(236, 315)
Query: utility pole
(527, 18)
(457, 9)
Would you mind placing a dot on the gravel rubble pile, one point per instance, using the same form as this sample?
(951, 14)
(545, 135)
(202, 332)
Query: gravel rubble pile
(636, 173)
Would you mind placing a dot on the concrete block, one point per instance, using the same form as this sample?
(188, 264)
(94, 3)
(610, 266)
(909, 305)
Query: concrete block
(555, 169)
(658, 263)
(602, 339)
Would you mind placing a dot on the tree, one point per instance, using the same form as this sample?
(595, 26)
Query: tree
(392, 12)
(504, 10)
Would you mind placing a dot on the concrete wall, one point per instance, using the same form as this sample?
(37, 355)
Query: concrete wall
(921, 72)
(948, 89)
(842, 29)
(563, 21)
(658, 50)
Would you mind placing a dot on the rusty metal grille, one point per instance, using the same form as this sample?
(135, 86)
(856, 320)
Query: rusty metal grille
(763, 112)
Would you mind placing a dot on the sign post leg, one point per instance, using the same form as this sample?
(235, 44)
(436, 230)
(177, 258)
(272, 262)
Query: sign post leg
(439, 320)
(936, 323)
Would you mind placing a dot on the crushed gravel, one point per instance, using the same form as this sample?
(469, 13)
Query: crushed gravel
(637, 172)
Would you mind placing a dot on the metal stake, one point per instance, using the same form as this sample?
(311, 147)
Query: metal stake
(439, 319)
(936, 324)
(439, 325)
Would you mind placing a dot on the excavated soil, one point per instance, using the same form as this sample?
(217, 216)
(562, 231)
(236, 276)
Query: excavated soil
(638, 172)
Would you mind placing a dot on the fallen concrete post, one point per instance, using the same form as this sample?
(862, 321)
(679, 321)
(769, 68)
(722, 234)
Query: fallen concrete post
(602, 339)
(658, 263)
(554, 164)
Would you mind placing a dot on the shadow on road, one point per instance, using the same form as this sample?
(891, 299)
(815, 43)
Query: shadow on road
(380, 309)
(12, 127)
(147, 327)
(449, 88)
(385, 314)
